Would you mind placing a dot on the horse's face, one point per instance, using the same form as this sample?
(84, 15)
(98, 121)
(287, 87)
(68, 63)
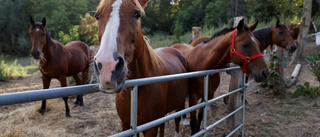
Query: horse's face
(38, 37)
(281, 37)
(119, 32)
(247, 45)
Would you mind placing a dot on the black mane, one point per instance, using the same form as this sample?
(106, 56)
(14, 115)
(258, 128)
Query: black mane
(263, 34)
(48, 34)
(222, 32)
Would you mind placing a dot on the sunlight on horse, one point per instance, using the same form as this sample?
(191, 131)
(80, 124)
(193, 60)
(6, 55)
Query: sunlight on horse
(126, 54)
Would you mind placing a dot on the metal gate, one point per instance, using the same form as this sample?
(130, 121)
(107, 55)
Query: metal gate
(37, 95)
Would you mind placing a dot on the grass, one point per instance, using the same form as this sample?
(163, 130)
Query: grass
(15, 66)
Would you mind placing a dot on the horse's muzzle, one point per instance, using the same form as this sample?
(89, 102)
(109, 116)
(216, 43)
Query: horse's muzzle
(36, 54)
(291, 48)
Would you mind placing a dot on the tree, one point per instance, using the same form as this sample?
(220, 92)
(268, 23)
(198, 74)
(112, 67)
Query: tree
(304, 27)
(216, 13)
(88, 30)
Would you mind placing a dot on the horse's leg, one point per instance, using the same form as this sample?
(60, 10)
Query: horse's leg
(152, 132)
(79, 100)
(46, 84)
(193, 100)
(177, 125)
(63, 83)
(161, 133)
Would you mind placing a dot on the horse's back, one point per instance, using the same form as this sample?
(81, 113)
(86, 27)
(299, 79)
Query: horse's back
(197, 41)
(78, 56)
(177, 89)
(183, 48)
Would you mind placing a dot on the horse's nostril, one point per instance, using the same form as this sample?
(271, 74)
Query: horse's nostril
(99, 66)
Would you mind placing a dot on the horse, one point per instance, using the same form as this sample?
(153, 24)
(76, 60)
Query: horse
(232, 44)
(295, 28)
(125, 54)
(277, 34)
(58, 61)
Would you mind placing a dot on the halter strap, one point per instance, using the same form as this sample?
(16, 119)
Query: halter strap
(246, 59)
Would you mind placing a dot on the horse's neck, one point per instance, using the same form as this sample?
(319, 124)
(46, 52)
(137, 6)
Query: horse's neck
(50, 51)
(216, 54)
(142, 66)
(263, 35)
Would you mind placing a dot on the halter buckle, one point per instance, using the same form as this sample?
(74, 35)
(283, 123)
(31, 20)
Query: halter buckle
(248, 59)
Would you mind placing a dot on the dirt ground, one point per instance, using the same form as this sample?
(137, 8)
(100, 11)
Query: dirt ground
(266, 115)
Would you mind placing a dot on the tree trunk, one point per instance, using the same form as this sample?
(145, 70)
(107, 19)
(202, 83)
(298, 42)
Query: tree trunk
(304, 27)
(279, 86)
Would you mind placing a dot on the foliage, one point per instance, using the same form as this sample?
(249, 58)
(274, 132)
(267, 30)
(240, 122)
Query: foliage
(273, 64)
(307, 91)
(215, 13)
(262, 10)
(315, 65)
(72, 36)
(7, 70)
(88, 29)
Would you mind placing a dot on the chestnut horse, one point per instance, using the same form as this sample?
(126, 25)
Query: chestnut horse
(58, 61)
(277, 34)
(125, 54)
(295, 28)
(236, 45)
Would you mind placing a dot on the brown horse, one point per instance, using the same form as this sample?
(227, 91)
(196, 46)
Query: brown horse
(277, 34)
(58, 61)
(295, 28)
(125, 54)
(236, 45)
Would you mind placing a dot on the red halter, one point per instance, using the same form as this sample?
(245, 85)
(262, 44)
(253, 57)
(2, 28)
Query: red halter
(246, 59)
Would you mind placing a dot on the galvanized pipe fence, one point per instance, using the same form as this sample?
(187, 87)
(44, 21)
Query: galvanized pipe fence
(38, 95)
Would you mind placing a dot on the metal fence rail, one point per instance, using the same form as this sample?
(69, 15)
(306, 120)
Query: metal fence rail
(37, 95)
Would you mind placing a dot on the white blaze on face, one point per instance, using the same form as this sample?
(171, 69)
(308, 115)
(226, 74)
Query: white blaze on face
(37, 29)
(108, 45)
(253, 39)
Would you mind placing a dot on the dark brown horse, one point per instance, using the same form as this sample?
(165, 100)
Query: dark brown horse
(277, 34)
(295, 28)
(58, 61)
(125, 54)
(231, 45)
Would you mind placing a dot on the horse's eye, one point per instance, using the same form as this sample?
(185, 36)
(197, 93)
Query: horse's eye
(245, 45)
(43, 34)
(280, 33)
(137, 14)
(96, 16)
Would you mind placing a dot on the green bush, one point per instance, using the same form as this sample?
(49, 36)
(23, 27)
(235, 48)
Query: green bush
(315, 65)
(307, 91)
(72, 36)
(8, 70)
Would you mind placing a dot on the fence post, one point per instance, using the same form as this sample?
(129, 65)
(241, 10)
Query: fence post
(234, 101)
(196, 32)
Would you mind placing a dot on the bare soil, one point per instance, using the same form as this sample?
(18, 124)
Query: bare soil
(266, 115)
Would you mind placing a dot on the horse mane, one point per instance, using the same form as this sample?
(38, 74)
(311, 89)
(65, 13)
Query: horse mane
(263, 34)
(219, 33)
(104, 4)
(156, 60)
(48, 34)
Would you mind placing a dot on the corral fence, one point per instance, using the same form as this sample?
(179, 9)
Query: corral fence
(235, 103)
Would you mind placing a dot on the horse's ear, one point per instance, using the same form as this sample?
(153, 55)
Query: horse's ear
(278, 22)
(44, 21)
(240, 25)
(31, 20)
(143, 3)
(253, 26)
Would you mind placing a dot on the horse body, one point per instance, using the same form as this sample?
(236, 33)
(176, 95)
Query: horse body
(295, 29)
(125, 54)
(215, 54)
(58, 61)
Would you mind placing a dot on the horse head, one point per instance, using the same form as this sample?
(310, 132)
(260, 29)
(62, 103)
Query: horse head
(120, 36)
(246, 53)
(39, 37)
(281, 37)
